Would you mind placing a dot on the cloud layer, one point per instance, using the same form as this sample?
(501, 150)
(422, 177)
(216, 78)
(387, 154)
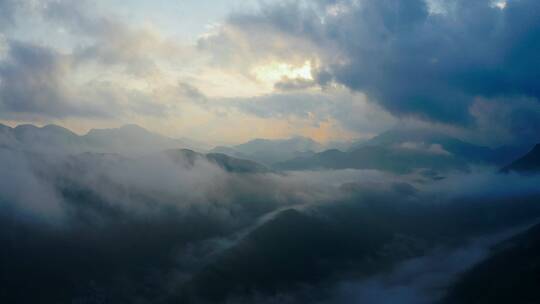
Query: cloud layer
(423, 59)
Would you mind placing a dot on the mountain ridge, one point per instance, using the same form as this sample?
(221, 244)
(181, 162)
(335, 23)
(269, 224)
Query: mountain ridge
(128, 139)
(270, 151)
(528, 163)
(404, 151)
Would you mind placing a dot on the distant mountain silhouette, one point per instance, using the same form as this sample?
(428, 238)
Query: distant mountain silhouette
(397, 150)
(529, 163)
(269, 151)
(227, 163)
(392, 159)
(99, 146)
(406, 150)
(457, 147)
(129, 140)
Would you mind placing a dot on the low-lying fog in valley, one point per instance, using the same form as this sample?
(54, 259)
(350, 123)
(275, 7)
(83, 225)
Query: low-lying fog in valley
(188, 227)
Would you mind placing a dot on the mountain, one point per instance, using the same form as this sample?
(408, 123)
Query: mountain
(236, 165)
(227, 163)
(404, 150)
(100, 145)
(344, 145)
(392, 159)
(196, 145)
(529, 163)
(130, 140)
(230, 151)
(457, 147)
(510, 275)
(49, 138)
(295, 249)
(269, 151)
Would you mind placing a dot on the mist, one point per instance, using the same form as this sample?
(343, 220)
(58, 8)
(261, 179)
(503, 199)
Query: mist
(151, 228)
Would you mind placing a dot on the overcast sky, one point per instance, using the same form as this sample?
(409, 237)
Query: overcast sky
(232, 70)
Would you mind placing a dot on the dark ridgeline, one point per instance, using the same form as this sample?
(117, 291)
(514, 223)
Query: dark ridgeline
(528, 164)
(510, 275)
(391, 151)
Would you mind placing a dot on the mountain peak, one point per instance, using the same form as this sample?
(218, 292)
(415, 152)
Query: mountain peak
(57, 129)
(24, 127)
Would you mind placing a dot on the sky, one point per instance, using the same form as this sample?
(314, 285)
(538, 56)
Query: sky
(228, 71)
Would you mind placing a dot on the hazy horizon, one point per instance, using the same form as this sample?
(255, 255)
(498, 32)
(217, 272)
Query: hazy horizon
(186, 136)
(189, 68)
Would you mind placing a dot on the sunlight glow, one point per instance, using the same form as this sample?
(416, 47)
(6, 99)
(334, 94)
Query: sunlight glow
(500, 4)
(277, 71)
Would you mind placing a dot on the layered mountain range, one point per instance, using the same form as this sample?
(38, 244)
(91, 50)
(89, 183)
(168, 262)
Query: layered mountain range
(127, 140)
(128, 216)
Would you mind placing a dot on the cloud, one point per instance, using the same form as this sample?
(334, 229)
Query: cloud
(287, 84)
(506, 120)
(7, 11)
(99, 71)
(99, 67)
(36, 82)
(39, 201)
(341, 251)
(101, 214)
(30, 80)
(348, 110)
(33, 82)
(425, 148)
(191, 92)
(93, 211)
(113, 42)
(401, 57)
(419, 59)
(237, 44)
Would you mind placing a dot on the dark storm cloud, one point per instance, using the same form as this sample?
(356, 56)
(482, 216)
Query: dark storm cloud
(413, 59)
(414, 62)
